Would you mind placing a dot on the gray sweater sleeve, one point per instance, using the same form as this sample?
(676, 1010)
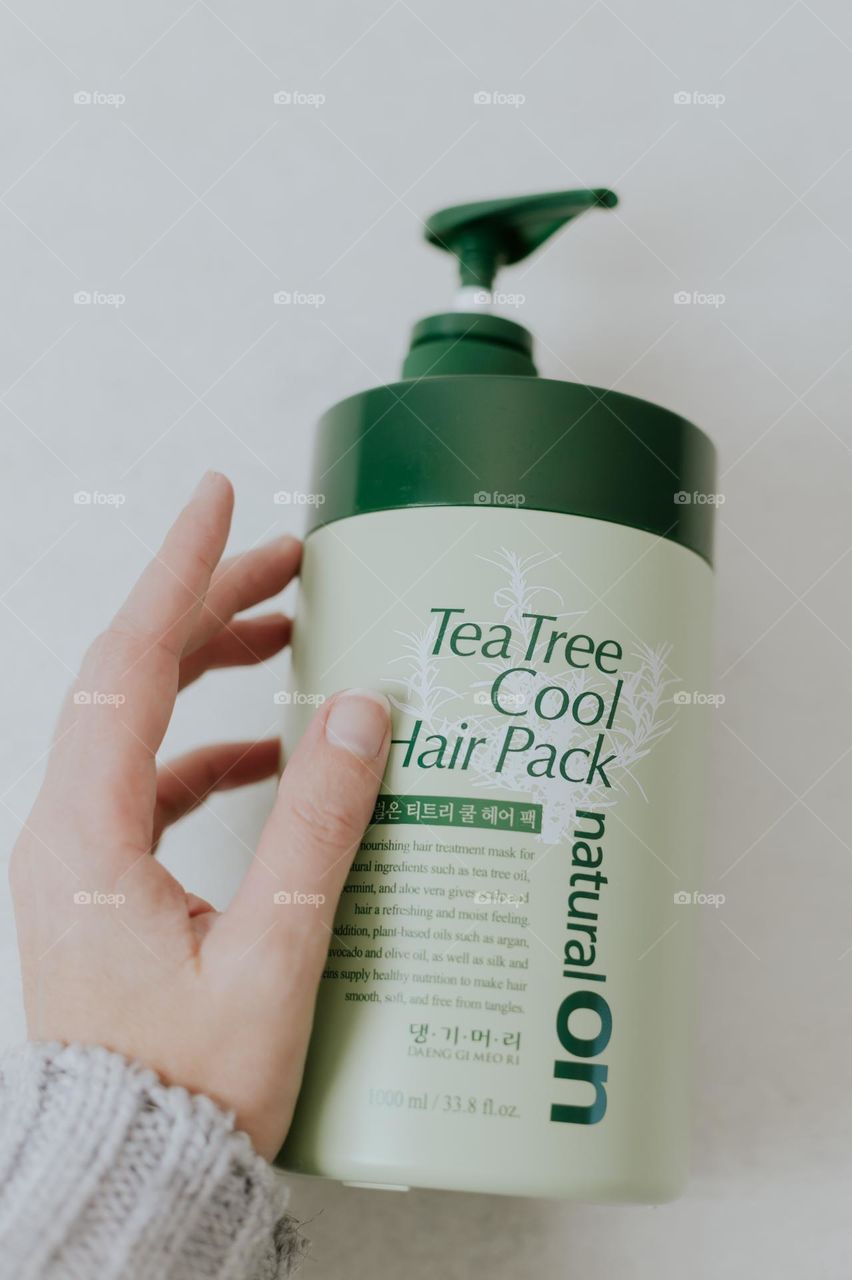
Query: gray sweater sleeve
(105, 1172)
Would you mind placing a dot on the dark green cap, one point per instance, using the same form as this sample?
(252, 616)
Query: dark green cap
(471, 419)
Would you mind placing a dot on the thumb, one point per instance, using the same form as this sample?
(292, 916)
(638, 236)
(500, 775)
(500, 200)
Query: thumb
(325, 799)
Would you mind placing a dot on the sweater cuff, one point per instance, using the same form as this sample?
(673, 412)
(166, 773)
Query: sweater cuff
(107, 1172)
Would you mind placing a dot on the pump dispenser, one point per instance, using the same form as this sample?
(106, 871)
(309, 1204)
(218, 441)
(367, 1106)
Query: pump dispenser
(523, 566)
(484, 237)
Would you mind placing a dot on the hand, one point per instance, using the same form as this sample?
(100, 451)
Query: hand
(114, 951)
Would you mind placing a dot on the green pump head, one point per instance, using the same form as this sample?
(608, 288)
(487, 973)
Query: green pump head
(484, 237)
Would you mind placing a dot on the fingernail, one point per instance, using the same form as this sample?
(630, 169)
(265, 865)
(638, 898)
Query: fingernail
(286, 541)
(358, 721)
(206, 480)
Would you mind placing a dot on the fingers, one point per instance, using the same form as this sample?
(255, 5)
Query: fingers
(243, 581)
(162, 610)
(114, 722)
(325, 800)
(184, 783)
(240, 643)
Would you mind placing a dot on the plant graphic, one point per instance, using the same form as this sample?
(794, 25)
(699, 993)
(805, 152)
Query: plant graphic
(640, 722)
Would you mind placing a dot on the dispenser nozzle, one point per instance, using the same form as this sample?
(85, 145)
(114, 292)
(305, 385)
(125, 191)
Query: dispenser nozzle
(493, 233)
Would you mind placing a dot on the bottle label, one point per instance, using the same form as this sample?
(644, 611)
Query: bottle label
(510, 963)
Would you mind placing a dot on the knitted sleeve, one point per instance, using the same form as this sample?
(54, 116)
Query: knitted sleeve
(105, 1173)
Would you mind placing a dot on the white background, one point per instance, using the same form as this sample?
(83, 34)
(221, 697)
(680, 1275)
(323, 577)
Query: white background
(198, 198)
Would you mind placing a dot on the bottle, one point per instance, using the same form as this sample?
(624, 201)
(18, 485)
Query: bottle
(524, 567)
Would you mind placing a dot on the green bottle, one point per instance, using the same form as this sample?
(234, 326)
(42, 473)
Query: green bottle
(524, 567)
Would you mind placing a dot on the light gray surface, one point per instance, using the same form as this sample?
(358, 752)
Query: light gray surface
(199, 197)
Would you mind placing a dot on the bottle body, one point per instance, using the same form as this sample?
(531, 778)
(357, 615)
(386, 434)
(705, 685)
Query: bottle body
(506, 1004)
